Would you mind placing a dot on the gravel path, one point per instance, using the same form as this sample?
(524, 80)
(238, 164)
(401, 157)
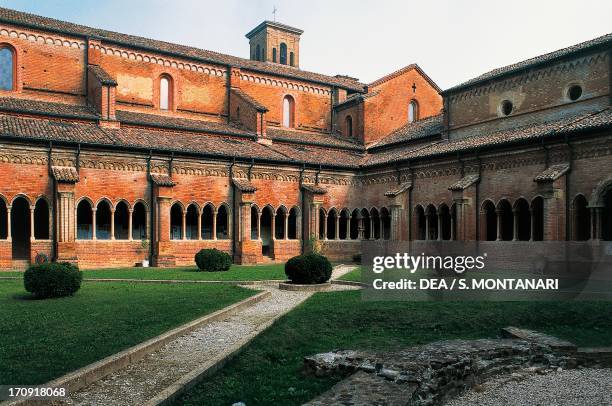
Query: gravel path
(141, 381)
(565, 388)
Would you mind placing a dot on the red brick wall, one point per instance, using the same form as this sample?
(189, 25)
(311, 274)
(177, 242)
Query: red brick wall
(387, 110)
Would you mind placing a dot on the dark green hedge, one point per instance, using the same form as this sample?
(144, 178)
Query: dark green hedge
(308, 269)
(52, 279)
(213, 260)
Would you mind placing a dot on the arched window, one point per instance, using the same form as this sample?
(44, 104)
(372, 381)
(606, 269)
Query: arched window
(445, 223)
(489, 221)
(222, 223)
(523, 220)
(7, 68)
(139, 222)
(3, 220)
(41, 220)
(506, 221)
(292, 227)
(413, 111)
(265, 234)
(283, 53)
(349, 126)
(191, 222)
(375, 223)
(274, 55)
(207, 222)
(385, 223)
(122, 218)
(288, 112)
(354, 226)
(582, 219)
(176, 222)
(84, 221)
(344, 223)
(279, 223)
(431, 214)
(537, 217)
(291, 59)
(257, 53)
(331, 224)
(103, 221)
(367, 224)
(20, 228)
(322, 223)
(420, 223)
(165, 93)
(254, 223)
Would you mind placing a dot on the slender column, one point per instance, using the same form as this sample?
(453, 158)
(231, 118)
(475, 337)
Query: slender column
(147, 228)
(200, 225)
(427, 221)
(298, 227)
(131, 212)
(498, 213)
(325, 226)
(94, 223)
(531, 224)
(439, 227)
(348, 227)
(453, 221)
(372, 234)
(360, 227)
(286, 234)
(273, 226)
(599, 223)
(8, 224)
(515, 215)
(337, 228)
(184, 225)
(214, 225)
(112, 221)
(592, 225)
(259, 224)
(31, 223)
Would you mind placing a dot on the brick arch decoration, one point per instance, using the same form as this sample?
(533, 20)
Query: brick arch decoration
(602, 188)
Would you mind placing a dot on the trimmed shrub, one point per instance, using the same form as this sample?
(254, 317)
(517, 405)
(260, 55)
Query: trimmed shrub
(213, 260)
(52, 279)
(308, 269)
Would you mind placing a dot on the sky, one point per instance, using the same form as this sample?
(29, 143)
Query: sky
(452, 41)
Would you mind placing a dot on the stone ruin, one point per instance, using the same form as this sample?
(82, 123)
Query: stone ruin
(432, 374)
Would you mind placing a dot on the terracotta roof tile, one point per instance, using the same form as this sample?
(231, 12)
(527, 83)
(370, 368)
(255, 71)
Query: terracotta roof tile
(29, 106)
(400, 189)
(162, 179)
(65, 174)
(314, 189)
(244, 185)
(312, 138)
(552, 173)
(102, 75)
(315, 155)
(412, 131)
(464, 182)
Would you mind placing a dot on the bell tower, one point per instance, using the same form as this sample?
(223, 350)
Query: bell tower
(276, 43)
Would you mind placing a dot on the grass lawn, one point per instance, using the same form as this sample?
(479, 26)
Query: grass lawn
(236, 273)
(268, 370)
(353, 276)
(44, 339)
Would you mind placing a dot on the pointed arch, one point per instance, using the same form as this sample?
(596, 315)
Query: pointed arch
(176, 221)
(489, 223)
(191, 222)
(208, 213)
(420, 222)
(42, 216)
(223, 222)
(279, 222)
(292, 226)
(139, 220)
(121, 219)
(523, 220)
(84, 221)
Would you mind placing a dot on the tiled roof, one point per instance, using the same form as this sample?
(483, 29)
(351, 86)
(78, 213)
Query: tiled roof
(28, 106)
(412, 131)
(313, 138)
(315, 155)
(176, 123)
(591, 121)
(102, 75)
(552, 173)
(244, 185)
(400, 189)
(249, 99)
(162, 179)
(532, 62)
(65, 174)
(314, 189)
(44, 23)
(464, 182)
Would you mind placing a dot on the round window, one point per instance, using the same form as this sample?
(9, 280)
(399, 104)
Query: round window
(574, 92)
(506, 107)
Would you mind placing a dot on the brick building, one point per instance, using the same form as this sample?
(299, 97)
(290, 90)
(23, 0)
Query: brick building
(116, 149)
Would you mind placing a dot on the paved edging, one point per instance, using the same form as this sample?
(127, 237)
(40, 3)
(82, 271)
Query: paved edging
(247, 282)
(86, 375)
(348, 283)
(174, 391)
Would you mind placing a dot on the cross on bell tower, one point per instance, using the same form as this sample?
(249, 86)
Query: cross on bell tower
(274, 10)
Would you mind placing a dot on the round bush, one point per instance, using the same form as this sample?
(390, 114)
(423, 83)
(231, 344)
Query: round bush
(213, 260)
(308, 269)
(52, 279)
